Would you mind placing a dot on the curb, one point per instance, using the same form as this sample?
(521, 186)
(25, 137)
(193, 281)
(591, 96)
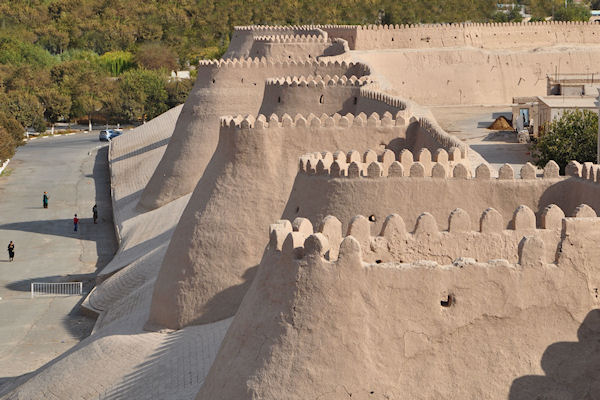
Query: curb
(4, 165)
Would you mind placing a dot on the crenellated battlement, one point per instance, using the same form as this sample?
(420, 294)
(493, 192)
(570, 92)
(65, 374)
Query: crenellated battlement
(264, 62)
(285, 39)
(275, 28)
(441, 136)
(313, 121)
(522, 241)
(588, 171)
(483, 35)
(372, 92)
(441, 164)
(319, 81)
(474, 24)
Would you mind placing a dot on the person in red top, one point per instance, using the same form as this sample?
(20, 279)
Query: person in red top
(75, 222)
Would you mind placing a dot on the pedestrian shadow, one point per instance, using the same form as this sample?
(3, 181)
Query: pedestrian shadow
(572, 369)
(55, 227)
(102, 234)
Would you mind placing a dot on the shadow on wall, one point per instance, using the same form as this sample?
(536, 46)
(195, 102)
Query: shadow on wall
(572, 369)
(136, 152)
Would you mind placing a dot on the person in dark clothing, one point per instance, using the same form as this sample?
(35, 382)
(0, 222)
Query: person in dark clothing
(95, 213)
(75, 223)
(11, 251)
(45, 199)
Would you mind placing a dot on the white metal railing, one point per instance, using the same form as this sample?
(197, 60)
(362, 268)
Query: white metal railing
(56, 289)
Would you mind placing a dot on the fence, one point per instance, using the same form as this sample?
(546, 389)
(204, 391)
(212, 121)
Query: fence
(56, 289)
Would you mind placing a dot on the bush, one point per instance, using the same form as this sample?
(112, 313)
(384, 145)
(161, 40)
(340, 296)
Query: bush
(117, 62)
(7, 145)
(156, 56)
(142, 94)
(573, 12)
(573, 136)
(16, 52)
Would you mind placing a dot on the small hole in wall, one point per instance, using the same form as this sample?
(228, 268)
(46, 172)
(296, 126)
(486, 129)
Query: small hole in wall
(372, 218)
(321, 99)
(213, 81)
(297, 210)
(448, 301)
(309, 56)
(377, 261)
(279, 99)
(355, 100)
(242, 80)
(392, 39)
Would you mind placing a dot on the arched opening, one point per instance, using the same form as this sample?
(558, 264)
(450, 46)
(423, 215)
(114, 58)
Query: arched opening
(321, 99)
(279, 99)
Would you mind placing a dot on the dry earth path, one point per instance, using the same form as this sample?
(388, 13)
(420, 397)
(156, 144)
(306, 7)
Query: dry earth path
(74, 170)
(470, 123)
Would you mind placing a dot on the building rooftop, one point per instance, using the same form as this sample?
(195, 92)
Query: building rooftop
(569, 101)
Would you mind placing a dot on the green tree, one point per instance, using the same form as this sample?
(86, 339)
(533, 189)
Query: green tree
(572, 136)
(13, 127)
(156, 56)
(16, 52)
(117, 62)
(57, 105)
(7, 145)
(26, 109)
(143, 94)
(513, 15)
(178, 91)
(85, 84)
(573, 12)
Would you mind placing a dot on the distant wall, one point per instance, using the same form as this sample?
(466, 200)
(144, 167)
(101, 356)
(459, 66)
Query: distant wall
(289, 47)
(486, 36)
(447, 76)
(243, 37)
(481, 35)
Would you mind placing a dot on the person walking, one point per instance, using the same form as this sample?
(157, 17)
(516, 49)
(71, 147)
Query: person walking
(95, 213)
(75, 223)
(11, 251)
(45, 199)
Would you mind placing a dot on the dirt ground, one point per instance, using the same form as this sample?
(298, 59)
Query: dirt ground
(469, 123)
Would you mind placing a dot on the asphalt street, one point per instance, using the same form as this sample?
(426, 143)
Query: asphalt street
(74, 171)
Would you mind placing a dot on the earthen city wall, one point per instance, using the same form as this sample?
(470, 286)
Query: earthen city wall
(481, 35)
(223, 87)
(429, 318)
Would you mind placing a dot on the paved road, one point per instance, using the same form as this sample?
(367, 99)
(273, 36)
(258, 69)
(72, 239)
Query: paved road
(74, 171)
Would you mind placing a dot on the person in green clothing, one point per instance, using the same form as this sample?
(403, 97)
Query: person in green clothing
(45, 199)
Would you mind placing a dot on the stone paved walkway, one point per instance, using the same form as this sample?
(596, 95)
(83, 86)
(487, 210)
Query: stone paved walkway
(74, 170)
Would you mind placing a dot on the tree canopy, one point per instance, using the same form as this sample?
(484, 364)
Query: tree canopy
(62, 60)
(572, 136)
